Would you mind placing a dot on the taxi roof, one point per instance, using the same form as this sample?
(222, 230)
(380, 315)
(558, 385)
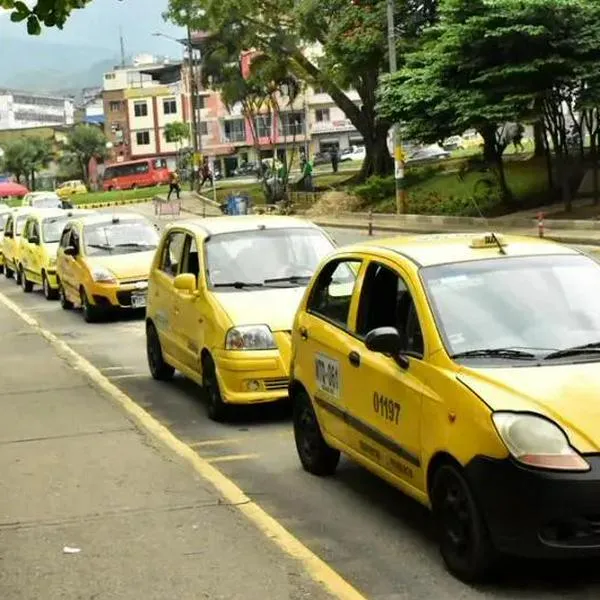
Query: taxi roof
(437, 249)
(97, 218)
(239, 223)
(49, 213)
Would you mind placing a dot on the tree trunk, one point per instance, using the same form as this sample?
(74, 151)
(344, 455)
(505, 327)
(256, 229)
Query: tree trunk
(377, 160)
(32, 180)
(548, 155)
(492, 155)
(538, 138)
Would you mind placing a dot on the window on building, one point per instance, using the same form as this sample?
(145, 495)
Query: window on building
(292, 123)
(170, 106)
(109, 76)
(142, 138)
(263, 125)
(235, 130)
(203, 128)
(33, 116)
(140, 108)
(199, 102)
(322, 115)
(115, 105)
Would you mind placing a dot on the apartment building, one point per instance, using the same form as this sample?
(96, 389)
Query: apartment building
(22, 110)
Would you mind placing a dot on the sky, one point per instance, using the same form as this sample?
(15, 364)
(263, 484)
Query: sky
(98, 25)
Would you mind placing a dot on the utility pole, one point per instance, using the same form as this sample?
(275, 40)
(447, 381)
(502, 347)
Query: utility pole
(122, 43)
(398, 151)
(193, 104)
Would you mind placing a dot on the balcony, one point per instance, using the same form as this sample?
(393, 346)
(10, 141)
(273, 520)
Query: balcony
(336, 126)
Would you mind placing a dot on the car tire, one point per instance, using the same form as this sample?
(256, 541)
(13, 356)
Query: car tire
(159, 369)
(25, 283)
(91, 314)
(1, 269)
(18, 277)
(465, 544)
(8, 272)
(316, 456)
(49, 293)
(216, 408)
(64, 303)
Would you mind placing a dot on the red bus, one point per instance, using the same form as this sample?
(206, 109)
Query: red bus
(135, 173)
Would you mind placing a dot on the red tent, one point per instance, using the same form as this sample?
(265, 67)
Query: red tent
(12, 189)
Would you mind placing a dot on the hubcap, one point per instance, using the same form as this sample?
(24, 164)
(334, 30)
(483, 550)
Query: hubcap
(456, 518)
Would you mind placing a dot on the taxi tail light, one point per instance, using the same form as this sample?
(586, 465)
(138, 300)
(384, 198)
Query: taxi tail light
(537, 442)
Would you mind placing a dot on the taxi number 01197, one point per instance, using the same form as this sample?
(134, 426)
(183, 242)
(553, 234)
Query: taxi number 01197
(386, 407)
(327, 373)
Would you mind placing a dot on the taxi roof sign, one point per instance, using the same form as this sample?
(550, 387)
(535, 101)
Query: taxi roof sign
(488, 240)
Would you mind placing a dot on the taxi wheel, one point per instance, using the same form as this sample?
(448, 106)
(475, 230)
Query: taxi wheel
(91, 314)
(27, 285)
(8, 273)
(217, 409)
(49, 293)
(465, 544)
(159, 369)
(315, 455)
(1, 269)
(18, 277)
(65, 304)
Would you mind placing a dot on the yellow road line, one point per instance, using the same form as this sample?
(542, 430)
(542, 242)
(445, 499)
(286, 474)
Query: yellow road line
(231, 457)
(238, 440)
(318, 569)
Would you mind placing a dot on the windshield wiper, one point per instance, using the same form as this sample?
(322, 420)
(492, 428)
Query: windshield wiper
(238, 284)
(134, 245)
(592, 348)
(290, 279)
(100, 246)
(508, 353)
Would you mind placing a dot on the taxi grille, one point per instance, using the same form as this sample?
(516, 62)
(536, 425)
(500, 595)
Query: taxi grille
(276, 383)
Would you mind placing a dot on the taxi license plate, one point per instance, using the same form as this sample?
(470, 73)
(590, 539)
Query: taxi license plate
(138, 300)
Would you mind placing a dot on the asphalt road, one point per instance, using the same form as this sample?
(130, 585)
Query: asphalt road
(376, 538)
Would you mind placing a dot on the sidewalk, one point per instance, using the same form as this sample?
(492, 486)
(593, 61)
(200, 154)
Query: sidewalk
(75, 472)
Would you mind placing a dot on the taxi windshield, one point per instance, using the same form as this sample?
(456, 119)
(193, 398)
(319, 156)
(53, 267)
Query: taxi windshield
(538, 304)
(46, 202)
(3, 219)
(20, 224)
(265, 257)
(122, 237)
(52, 229)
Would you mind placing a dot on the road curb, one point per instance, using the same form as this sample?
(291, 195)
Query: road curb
(113, 203)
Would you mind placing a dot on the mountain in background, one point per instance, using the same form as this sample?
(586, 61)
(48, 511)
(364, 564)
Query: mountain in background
(40, 66)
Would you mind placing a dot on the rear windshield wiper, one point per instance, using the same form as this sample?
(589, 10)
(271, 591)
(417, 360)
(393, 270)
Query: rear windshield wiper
(238, 284)
(592, 348)
(508, 353)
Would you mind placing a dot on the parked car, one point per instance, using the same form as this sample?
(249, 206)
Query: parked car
(70, 188)
(428, 154)
(454, 142)
(353, 153)
(42, 200)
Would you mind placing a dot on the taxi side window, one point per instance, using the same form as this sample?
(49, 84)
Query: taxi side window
(171, 254)
(75, 240)
(385, 301)
(9, 225)
(35, 230)
(26, 230)
(332, 293)
(190, 262)
(65, 237)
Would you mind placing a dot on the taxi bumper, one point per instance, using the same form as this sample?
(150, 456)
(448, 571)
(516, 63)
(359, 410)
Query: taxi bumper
(252, 377)
(124, 295)
(538, 514)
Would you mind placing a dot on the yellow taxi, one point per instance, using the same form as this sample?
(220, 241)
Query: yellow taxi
(103, 262)
(71, 188)
(465, 371)
(13, 229)
(222, 296)
(5, 210)
(39, 246)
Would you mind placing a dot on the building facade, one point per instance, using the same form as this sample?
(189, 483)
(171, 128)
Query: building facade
(23, 110)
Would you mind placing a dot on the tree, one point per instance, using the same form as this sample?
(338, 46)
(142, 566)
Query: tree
(51, 13)
(351, 37)
(86, 142)
(17, 158)
(491, 62)
(175, 133)
(41, 154)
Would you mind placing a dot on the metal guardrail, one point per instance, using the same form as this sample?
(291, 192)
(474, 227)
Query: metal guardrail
(163, 207)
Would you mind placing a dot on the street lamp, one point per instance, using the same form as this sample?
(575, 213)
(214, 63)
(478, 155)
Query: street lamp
(193, 86)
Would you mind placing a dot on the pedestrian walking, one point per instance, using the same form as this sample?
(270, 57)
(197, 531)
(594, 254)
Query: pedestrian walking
(335, 159)
(307, 176)
(173, 184)
(206, 173)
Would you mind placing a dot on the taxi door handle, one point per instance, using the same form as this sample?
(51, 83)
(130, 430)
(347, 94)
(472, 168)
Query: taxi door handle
(354, 358)
(303, 333)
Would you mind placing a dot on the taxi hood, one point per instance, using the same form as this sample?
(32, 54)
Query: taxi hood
(567, 394)
(275, 307)
(125, 266)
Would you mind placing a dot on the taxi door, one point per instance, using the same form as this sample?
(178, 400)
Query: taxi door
(384, 411)
(9, 241)
(25, 251)
(35, 252)
(323, 343)
(66, 265)
(162, 294)
(190, 311)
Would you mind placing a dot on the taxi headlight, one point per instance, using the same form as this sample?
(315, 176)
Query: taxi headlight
(537, 442)
(250, 337)
(103, 275)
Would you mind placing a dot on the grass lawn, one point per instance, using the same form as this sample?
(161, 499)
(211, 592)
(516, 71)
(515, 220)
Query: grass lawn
(138, 194)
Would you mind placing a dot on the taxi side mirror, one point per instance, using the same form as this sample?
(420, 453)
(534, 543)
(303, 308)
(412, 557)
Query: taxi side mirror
(387, 340)
(34, 239)
(70, 251)
(8, 234)
(186, 282)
